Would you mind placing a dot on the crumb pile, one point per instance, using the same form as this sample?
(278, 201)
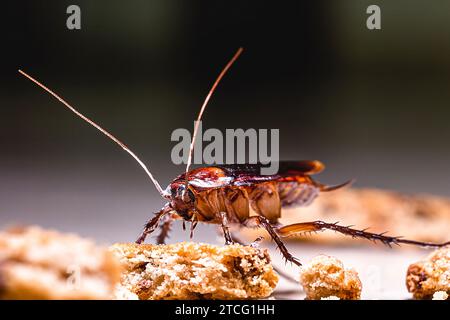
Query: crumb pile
(190, 270)
(42, 264)
(425, 278)
(326, 277)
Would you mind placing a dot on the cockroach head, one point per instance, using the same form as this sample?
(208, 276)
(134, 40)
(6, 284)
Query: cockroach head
(182, 200)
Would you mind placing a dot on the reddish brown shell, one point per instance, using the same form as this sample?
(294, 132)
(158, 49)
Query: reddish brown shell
(248, 174)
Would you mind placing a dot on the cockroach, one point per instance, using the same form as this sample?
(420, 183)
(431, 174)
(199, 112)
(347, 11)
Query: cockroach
(223, 194)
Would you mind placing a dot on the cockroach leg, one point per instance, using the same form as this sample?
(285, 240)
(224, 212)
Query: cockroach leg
(153, 223)
(166, 227)
(316, 226)
(258, 222)
(149, 227)
(225, 228)
(194, 223)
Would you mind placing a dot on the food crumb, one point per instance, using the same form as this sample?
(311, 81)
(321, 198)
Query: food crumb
(190, 271)
(431, 275)
(325, 277)
(440, 295)
(330, 298)
(40, 264)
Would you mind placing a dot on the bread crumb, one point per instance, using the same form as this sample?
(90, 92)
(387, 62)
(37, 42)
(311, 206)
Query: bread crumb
(330, 298)
(45, 264)
(426, 277)
(440, 295)
(190, 270)
(324, 277)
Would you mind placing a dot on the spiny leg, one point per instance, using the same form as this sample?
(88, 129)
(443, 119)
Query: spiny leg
(194, 223)
(315, 226)
(259, 221)
(166, 227)
(153, 223)
(225, 228)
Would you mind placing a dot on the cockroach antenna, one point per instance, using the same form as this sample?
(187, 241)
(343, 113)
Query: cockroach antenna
(208, 97)
(95, 125)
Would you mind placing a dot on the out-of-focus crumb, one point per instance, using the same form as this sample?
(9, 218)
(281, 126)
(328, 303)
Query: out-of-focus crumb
(42, 264)
(440, 295)
(190, 270)
(325, 276)
(426, 277)
(330, 298)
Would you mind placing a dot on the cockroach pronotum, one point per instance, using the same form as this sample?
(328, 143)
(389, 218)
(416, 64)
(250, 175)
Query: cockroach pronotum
(223, 194)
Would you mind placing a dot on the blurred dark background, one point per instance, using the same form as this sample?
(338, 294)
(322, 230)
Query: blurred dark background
(372, 105)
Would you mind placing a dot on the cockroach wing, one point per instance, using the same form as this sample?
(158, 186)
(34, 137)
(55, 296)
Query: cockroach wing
(285, 168)
(307, 167)
(247, 174)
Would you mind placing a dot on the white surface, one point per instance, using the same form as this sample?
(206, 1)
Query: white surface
(382, 270)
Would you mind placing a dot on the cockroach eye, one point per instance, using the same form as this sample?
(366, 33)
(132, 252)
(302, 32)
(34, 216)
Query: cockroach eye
(191, 196)
(185, 195)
